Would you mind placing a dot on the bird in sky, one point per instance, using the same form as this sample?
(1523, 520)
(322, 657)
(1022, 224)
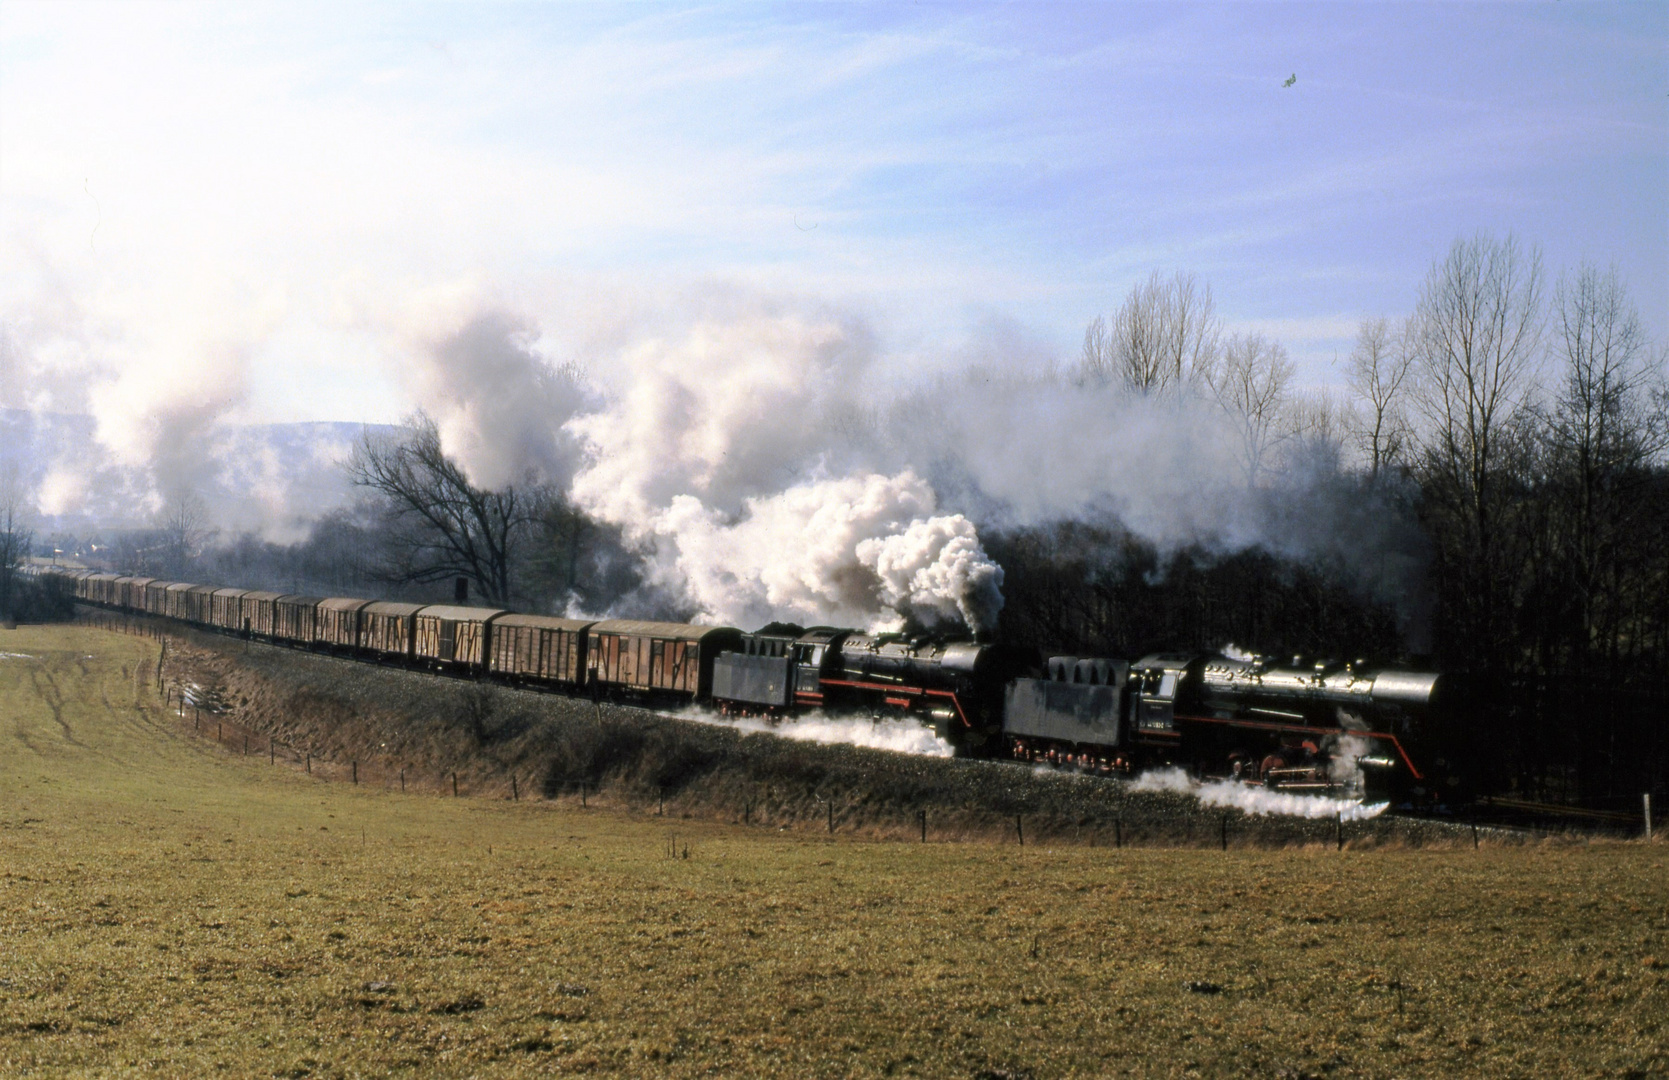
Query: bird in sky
(1290, 80)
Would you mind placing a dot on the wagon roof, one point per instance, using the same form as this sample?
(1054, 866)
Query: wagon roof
(259, 596)
(158, 584)
(547, 622)
(391, 607)
(181, 586)
(342, 603)
(137, 580)
(230, 593)
(461, 614)
(206, 590)
(669, 630)
(297, 600)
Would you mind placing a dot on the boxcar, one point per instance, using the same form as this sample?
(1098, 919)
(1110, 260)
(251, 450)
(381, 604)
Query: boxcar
(99, 588)
(295, 619)
(156, 597)
(539, 647)
(226, 609)
(196, 602)
(259, 612)
(130, 593)
(655, 657)
(385, 627)
(174, 599)
(450, 636)
(339, 621)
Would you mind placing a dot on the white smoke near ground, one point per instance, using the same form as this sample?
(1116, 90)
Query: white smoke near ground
(1257, 801)
(901, 736)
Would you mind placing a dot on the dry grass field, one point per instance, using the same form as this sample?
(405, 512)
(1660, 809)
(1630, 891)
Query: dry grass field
(172, 908)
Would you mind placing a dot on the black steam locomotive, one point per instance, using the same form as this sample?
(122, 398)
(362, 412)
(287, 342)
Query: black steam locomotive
(1299, 725)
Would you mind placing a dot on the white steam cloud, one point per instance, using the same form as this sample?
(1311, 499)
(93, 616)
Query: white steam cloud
(1256, 800)
(864, 549)
(742, 456)
(500, 405)
(901, 736)
(768, 459)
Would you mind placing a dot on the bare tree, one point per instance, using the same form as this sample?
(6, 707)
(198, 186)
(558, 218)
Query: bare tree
(1605, 430)
(16, 538)
(1475, 338)
(1379, 378)
(1163, 336)
(1319, 424)
(183, 531)
(437, 524)
(1250, 382)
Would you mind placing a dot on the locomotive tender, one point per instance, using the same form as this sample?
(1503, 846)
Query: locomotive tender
(1296, 725)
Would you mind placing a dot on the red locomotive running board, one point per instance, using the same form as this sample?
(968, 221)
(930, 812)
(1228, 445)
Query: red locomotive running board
(890, 688)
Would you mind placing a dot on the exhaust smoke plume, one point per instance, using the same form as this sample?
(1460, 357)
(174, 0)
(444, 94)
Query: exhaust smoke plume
(866, 550)
(765, 460)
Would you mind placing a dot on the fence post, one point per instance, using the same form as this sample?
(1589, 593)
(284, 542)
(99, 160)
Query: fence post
(1225, 831)
(661, 808)
(1338, 825)
(246, 744)
(584, 786)
(1647, 800)
(831, 817)
(402, 781)
(310, 762)
(454, 785)
(272, 752)
(515, 796)
(924, 826)
(1020, 829)
(356, 772)
(1118, 834)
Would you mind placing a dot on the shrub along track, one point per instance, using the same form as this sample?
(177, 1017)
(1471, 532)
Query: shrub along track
(389, 726)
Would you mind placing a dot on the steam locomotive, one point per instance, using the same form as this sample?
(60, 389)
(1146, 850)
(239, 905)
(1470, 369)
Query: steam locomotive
(1299, 725)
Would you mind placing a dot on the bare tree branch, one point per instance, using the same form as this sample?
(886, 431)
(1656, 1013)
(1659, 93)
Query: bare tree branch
(1163, 336)
(1250, 382)
(437, 524)
(1379, 378)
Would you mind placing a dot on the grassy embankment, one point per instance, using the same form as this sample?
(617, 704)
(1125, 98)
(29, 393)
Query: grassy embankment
(166, 904)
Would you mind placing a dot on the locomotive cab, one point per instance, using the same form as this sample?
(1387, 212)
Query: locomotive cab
(1156, 681)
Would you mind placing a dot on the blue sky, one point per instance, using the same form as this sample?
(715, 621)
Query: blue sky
(262, 206)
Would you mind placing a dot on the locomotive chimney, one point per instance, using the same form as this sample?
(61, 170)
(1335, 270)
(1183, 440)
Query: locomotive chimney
(460, 590)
